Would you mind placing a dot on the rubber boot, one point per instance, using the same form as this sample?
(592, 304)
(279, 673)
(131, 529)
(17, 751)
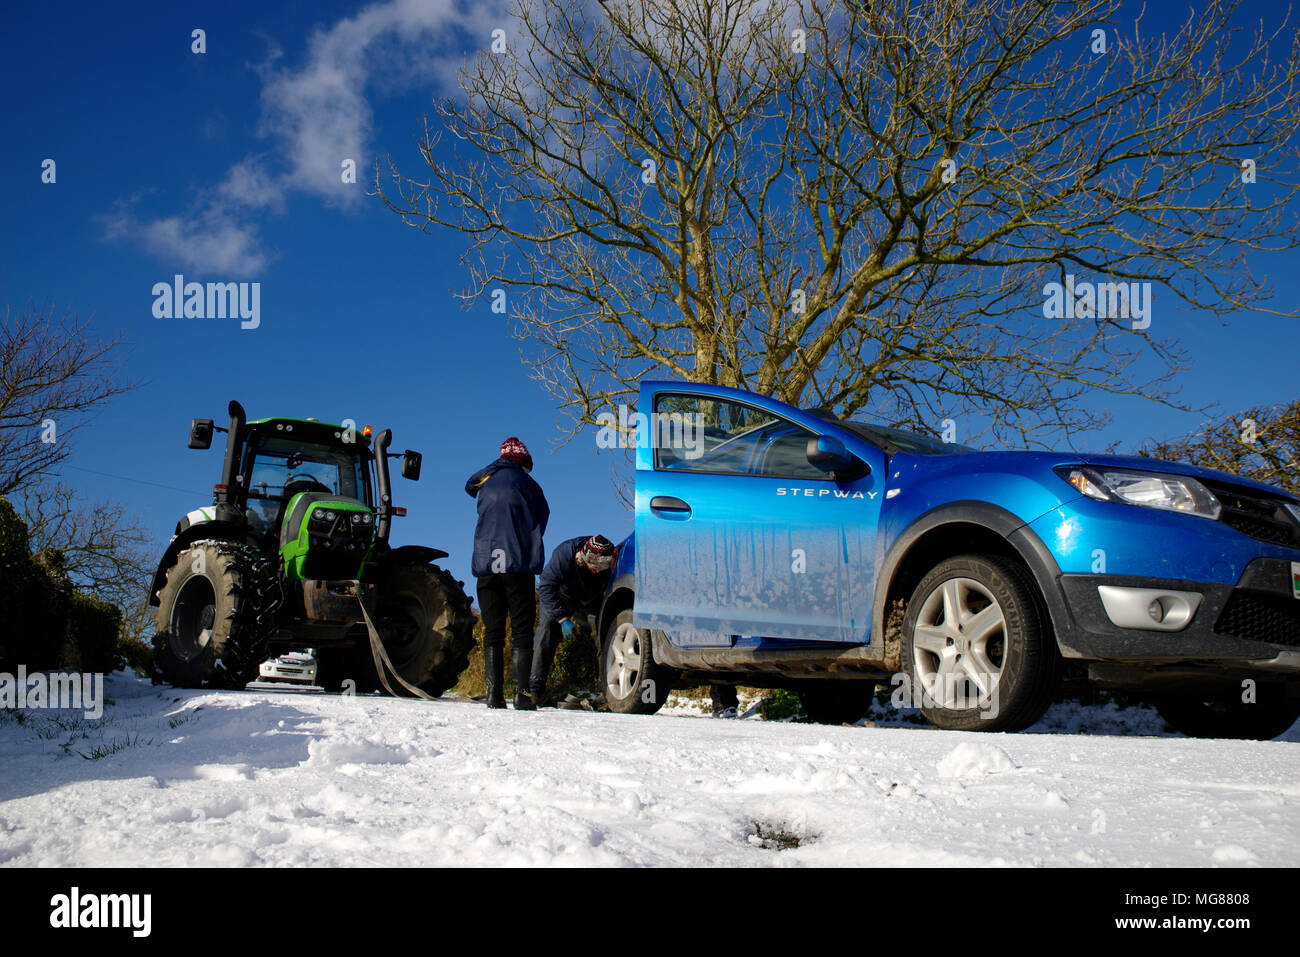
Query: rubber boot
(540, 675)
(523, 665)
(725, 700)
(494, 675)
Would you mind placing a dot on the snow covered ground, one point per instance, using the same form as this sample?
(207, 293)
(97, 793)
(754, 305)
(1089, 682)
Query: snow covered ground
(284, 777)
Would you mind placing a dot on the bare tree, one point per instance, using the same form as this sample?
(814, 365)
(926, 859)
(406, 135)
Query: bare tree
(1260, 443)
(862, 205)
(53, 372)
(104, 551)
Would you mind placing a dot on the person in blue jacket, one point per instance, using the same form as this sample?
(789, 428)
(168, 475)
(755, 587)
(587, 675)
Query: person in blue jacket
(571, 588)
(508, 552)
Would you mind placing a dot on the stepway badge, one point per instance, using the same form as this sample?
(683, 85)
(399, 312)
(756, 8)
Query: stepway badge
(1295, 579)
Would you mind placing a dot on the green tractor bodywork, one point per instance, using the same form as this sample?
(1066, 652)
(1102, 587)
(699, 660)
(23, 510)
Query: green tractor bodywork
(296, 540)
(316, 522)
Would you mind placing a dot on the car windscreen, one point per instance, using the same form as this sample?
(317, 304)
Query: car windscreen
(913, 442)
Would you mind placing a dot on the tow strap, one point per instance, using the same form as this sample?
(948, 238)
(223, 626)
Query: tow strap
(382, 662)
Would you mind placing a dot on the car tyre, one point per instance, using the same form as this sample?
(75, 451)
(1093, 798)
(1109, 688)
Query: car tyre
(976, 646)
(632, 682)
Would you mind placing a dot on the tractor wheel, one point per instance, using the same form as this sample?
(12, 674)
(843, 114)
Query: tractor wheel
(211, 627)
(427, 628)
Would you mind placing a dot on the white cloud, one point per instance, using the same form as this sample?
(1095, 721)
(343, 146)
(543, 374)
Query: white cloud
(248, 185)
(314, 116)
(212, 242)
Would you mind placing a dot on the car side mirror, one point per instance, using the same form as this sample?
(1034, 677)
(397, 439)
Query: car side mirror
(201, 433)
(411, 462)
(829, 454)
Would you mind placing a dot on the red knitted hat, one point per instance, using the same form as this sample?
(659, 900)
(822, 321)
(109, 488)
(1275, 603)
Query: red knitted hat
(515, 451)
(597, 553)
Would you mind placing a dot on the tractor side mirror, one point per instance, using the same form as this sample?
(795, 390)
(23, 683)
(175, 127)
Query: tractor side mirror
(411, 462)
(201, 433)
(829, 454)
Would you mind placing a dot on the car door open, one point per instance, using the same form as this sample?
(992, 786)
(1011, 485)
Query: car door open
(739, 534)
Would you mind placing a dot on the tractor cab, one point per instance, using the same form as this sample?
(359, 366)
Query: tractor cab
(282, 465)
(316, 493)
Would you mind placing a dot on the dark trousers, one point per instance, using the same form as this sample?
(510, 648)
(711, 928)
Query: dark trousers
(724, 697)
(502, 595)
(548, 637)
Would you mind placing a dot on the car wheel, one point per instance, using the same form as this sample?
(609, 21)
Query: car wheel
(976, 648)
(1227, 716)
(633, 683)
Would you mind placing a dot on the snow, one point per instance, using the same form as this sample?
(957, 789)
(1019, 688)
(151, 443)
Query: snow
(294, 777)
(972, 759)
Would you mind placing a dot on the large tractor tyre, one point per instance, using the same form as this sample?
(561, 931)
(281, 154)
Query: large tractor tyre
(212, 623)
(427, 628)
(1227, 716)
(837, 702)
(978, 651)
(631, 680)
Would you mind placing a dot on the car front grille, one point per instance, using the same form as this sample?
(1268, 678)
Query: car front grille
(1256, 514)
(1256, 616)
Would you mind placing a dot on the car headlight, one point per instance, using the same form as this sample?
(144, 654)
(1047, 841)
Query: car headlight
(1174, 493)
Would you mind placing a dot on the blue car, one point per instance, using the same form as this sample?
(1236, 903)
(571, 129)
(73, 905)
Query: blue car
(781, 547)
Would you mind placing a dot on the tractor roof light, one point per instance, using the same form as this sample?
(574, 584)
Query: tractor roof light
(367, 431)
(400, 510)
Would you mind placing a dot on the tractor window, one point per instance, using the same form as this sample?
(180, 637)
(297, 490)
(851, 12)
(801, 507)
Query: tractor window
(282, 468)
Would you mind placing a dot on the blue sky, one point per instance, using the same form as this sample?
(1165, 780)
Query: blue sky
(216, 166)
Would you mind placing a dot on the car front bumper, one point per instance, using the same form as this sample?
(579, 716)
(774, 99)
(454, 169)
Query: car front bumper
(1254, 623)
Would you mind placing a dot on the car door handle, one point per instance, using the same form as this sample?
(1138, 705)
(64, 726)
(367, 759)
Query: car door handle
(666, 503)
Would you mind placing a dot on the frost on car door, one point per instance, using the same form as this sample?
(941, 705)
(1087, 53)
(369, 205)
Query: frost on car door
(739, 535)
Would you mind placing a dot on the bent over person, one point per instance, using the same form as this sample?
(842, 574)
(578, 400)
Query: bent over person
(571, 588)
(508, 552)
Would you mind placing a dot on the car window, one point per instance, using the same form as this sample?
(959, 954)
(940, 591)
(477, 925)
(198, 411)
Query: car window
(785, 455)
(699, 434)
(723, 436)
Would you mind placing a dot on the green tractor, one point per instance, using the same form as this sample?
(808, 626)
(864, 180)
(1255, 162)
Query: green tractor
(294, 554)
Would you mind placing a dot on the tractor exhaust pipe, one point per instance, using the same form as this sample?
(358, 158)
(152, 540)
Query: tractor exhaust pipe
(229, 491)
(385, 511)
